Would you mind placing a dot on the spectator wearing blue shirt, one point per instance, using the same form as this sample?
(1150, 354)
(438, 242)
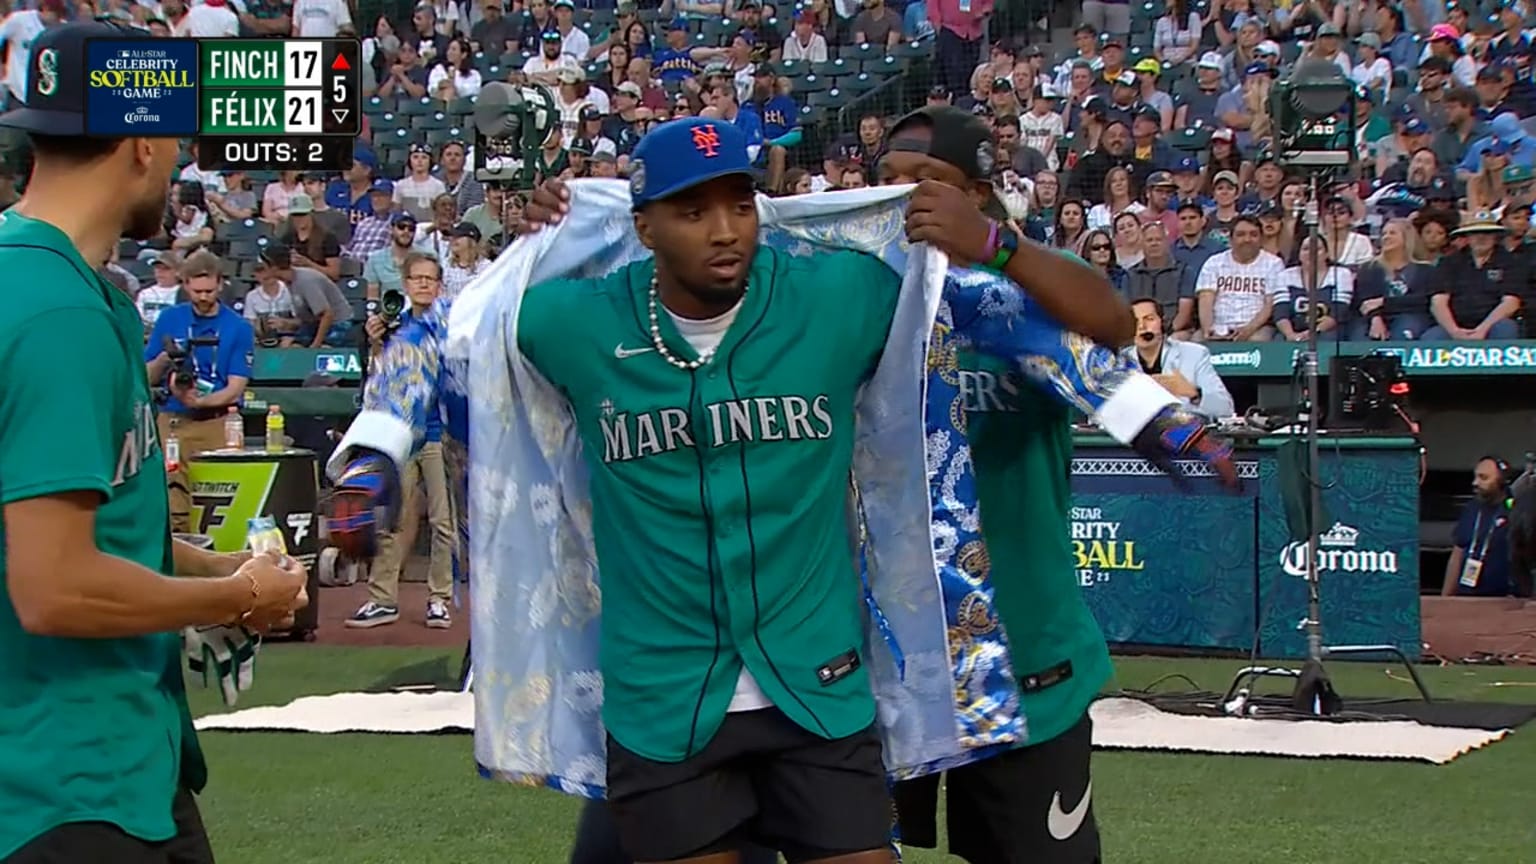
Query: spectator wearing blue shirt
(1479, 562)
(678, 60)
(1505, 137)
(1194, 244)
(1396, 45)
(349, 194)
(217, 374)
(780, 118)
(721, 101)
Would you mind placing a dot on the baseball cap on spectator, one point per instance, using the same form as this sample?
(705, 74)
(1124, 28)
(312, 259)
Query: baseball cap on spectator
(1226, 134)
(1481, 222)
(1435, 63)
(1264, 157)
(1267, 48)
(1415, 126)
(1369, 39)
(1126, 78)
(582, 146)
(1046, 90)
(160, 258)
(1096, 106)
(956, 138)
(566, 3)
(806, 14)
(1032, 51)
(1160, 180)
(1507, 127)
(299, 204)
(678, 23)
(1518, 174)
(364, 155)
(201, 263)
(982, 109)
(1329, 29)
(1148, 66)
(605, 157)
(382, 185)
(591, 112)
(1148, 112)
(1269, 210)
(938, 91)
(1187, 165)
(680, 155)
(401, 217)
(1209, 60)
(1496, 147)
(60, 111)
(629, 88)
(1440, 189)
(1110, 39)
(1259, 69)
(1002, 84)
(1002, 46)
(1491, 72)
(275, 254)
(1226, 177)
(466, 229)
(551, 36)
(765, 70)
(1190, 204)
(1444, 33)
(571, 75)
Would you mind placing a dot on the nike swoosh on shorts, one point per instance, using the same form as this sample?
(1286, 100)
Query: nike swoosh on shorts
(1063, 824)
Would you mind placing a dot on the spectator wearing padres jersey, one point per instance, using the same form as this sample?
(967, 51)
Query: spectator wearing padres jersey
(1236, 289)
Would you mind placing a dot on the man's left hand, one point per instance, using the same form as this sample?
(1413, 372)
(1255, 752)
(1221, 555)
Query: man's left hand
(188, 397)
(944, 217)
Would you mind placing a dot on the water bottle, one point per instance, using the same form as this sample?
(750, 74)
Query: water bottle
(172, 449)
(276, 441)
(234, 430)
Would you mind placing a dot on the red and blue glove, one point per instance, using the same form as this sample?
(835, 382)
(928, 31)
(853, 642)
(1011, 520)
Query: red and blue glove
(1178, 434)
(364, 502)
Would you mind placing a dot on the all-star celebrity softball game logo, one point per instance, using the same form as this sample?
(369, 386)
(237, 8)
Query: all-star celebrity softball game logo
(141, 87)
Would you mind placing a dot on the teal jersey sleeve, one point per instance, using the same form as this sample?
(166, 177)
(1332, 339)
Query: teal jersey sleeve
(60, 373)
(862, 290)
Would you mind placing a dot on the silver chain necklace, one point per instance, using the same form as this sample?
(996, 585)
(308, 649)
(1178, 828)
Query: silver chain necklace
(661, 346)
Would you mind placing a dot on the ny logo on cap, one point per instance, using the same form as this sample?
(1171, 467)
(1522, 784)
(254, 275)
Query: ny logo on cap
(47, 72)
(706, 139)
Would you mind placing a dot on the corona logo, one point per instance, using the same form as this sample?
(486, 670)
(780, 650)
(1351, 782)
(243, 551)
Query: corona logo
(1338, 551)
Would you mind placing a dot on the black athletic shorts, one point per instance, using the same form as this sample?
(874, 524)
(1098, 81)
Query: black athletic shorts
(762, 779)
(105, 843)
(1033, 805)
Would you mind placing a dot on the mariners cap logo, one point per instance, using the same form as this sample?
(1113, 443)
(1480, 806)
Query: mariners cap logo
(706, 140)
(637, 179)
(47, 72)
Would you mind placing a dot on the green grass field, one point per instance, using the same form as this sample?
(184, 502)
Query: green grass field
(377, 799)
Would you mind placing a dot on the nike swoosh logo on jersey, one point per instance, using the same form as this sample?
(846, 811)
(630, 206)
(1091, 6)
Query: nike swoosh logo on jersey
(623, 353)
(1062, 824)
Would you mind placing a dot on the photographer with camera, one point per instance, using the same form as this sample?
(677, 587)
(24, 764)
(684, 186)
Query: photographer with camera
(423, 280)
(200, 354)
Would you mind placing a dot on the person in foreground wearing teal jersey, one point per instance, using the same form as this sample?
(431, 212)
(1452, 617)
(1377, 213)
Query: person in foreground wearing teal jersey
(98, 757)
(1029, 657)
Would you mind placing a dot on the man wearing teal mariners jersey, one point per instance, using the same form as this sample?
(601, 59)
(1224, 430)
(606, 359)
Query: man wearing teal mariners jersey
(1029, 655)
(98, 757)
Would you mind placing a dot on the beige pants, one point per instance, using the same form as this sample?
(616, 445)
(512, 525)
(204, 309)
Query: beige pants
(426, 470)
(193, 436)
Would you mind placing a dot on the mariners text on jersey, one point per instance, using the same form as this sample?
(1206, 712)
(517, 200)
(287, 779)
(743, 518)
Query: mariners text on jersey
(733, 421)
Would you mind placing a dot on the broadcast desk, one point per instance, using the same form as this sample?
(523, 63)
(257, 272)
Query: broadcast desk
(1212, 570)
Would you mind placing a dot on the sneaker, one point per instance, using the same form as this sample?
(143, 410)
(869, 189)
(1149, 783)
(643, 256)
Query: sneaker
(437, 615)
(373, 614)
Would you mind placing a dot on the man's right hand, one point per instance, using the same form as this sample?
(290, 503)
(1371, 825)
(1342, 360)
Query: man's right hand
(547, 205)
(279, 590)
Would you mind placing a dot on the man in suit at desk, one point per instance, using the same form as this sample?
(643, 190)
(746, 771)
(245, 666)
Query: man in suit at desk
(1183, 367)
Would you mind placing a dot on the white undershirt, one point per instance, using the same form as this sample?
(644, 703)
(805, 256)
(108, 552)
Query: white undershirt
(705, 335)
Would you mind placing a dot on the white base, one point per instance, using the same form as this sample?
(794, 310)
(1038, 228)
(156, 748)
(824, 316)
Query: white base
(1132, 407)
(377, 430)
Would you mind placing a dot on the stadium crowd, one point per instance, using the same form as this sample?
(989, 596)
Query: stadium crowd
(1144, 147)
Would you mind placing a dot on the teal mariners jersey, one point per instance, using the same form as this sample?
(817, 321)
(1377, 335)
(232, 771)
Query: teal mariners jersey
(718, 495)
(1021, 444)
(90, 729)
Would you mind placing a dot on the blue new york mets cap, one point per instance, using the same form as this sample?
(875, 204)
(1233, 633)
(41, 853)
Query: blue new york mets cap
(1187, 165)
(682, 154)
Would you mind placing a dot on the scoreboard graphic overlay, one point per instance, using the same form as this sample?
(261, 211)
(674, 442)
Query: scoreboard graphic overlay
(254, 104)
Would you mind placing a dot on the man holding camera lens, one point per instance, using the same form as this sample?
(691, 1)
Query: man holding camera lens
(423, 278)
(98, 757)
(200, 353)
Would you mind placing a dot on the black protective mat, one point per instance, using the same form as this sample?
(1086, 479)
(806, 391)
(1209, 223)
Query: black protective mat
(1448, 713)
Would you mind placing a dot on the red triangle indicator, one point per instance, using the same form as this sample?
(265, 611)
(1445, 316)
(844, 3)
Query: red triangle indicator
(340, 63)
